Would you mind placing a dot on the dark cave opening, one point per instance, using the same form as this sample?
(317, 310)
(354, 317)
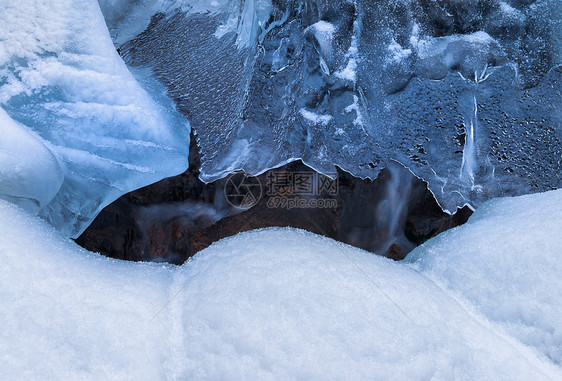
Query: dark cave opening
(173, 219)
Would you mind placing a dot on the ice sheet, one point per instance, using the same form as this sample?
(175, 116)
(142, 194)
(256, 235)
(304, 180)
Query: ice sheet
(464, 93)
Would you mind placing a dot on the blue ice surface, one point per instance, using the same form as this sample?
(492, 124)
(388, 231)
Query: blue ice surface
(110, 131)
(468, 98)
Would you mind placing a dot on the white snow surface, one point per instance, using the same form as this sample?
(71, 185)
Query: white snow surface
(349, 72)
(287, 304)
(62, 80)
(507, 262)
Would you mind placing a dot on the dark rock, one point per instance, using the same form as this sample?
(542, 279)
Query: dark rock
(177, 217)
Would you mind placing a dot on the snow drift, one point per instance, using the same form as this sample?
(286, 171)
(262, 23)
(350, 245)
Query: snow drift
(286, 304)
(507, 261)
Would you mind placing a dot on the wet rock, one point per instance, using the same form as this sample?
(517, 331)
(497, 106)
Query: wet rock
(177, 217)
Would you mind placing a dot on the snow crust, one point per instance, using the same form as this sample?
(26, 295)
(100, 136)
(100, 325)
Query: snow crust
(287, 304)
(62, 80)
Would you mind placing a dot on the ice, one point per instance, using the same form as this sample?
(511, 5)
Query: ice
(468, 54)
(63, 83)
(506, 261)
(31, 175)
(287, 304)
(207, 71)
(464, 93)
(324, 34)
(125, 18)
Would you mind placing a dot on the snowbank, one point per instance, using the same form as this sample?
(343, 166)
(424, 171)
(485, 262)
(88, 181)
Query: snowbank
(271, 304)
(507, 261)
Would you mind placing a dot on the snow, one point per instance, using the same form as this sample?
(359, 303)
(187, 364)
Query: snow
(26, 31)
(510, 11)
(324, 27)
(349, 72)
(507, 262)
(70, 314)
(397, 52)
(62, 80)
(354, 107)
(287, 304)
(315, 118)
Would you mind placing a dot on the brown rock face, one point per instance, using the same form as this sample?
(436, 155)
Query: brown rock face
(173, 219)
